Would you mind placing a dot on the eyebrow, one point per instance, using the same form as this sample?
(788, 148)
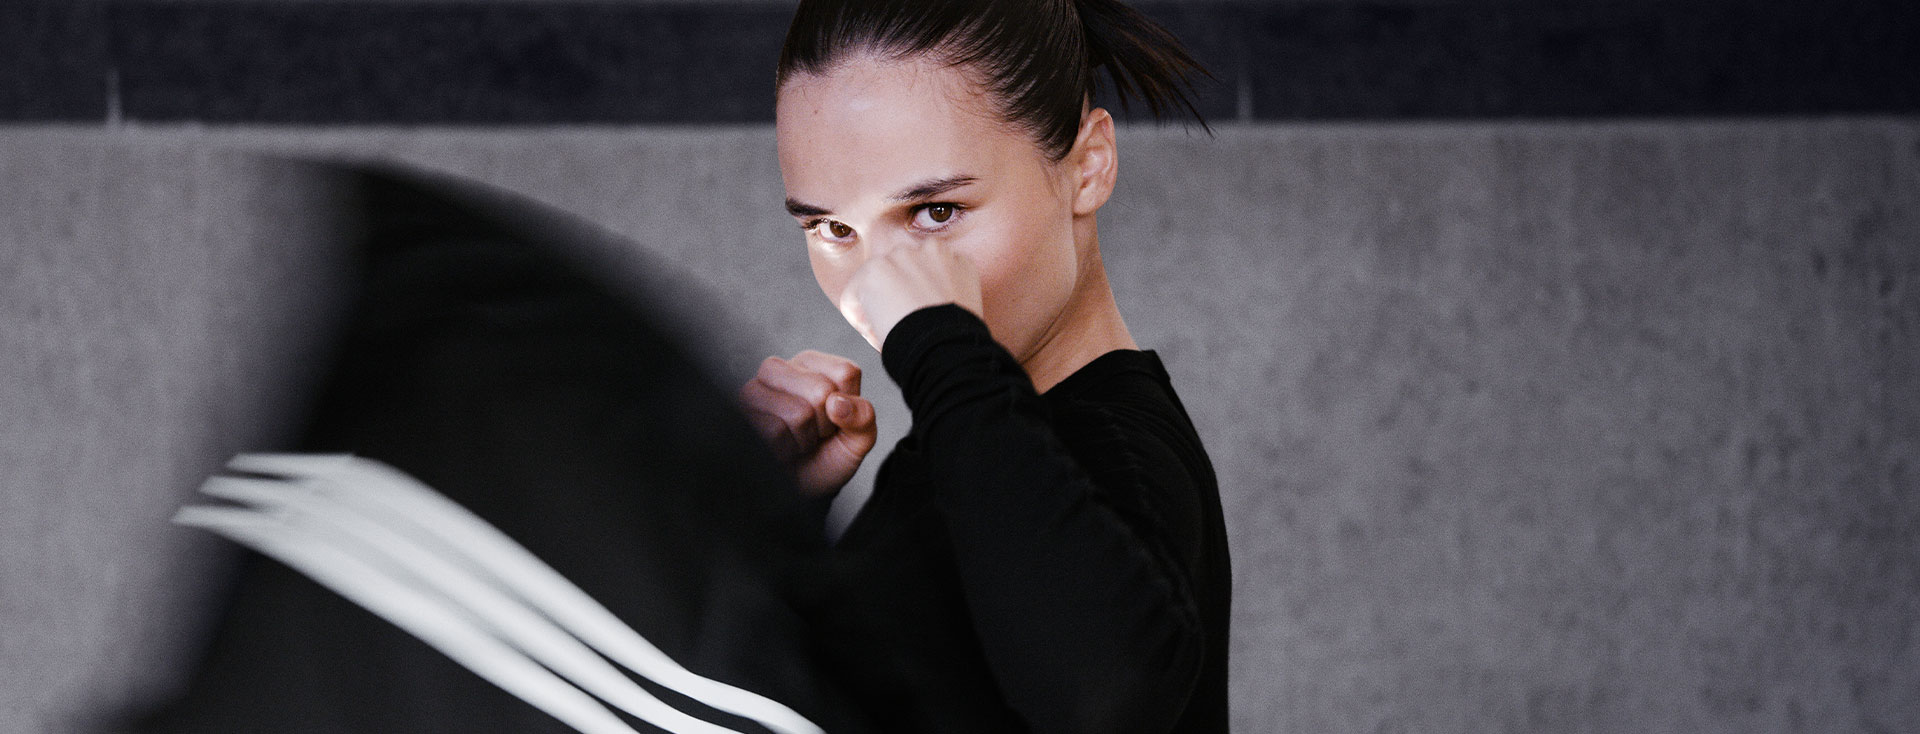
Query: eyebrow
(923, 190)
(932, 188)
(802, 209)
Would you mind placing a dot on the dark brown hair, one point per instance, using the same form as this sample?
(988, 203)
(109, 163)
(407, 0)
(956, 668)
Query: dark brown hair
(1039, 58)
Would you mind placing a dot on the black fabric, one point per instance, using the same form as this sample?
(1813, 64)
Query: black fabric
(1053, 563)
(485, 361)
(1049, 563)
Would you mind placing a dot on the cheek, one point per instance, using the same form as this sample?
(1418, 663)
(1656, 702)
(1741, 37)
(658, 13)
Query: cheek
(831, 274)
(1027, 269)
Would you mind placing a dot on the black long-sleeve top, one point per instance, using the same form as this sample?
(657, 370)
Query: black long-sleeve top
(1045, 563)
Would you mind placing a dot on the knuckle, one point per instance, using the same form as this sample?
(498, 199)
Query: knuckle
(758, 392)
(801, 416)
(816, 386)
(839, 372)
(790, 409)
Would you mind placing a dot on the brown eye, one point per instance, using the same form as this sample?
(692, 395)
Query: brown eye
(935, 217)
(839, 231)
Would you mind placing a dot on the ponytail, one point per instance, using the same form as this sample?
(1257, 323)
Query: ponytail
(1141, 57)
(1038, 58)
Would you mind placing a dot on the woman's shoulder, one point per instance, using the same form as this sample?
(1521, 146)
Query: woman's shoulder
(1127, 390)
(1121, 418)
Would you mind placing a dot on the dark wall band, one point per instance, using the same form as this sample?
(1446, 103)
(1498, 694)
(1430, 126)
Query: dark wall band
(542, 63)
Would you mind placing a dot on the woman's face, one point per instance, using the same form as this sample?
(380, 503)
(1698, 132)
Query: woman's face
(878, 154)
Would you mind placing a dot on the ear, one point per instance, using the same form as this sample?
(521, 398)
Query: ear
(1093, 162)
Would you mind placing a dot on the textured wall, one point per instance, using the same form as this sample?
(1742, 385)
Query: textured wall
(1596, 427)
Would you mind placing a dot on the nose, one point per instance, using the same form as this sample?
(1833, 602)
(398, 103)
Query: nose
(880, 244)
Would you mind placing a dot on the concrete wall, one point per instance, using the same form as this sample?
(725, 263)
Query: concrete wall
(1520, 428)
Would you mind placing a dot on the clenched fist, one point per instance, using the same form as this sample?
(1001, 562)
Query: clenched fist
(904, 280)
(809, 410)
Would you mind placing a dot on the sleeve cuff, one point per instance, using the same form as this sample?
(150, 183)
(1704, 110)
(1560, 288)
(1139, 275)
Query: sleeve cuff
(904, 352)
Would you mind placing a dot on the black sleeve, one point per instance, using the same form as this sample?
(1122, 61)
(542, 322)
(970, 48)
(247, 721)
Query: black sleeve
(1086, 622)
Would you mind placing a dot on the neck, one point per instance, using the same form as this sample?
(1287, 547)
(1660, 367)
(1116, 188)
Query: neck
(1088, 327)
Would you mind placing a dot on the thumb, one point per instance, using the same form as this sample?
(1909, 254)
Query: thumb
(854, 417)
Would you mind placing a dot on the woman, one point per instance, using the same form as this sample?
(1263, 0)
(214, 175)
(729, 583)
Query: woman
(1046, 545)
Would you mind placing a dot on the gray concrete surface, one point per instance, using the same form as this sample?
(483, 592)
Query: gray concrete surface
(1520, 428)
